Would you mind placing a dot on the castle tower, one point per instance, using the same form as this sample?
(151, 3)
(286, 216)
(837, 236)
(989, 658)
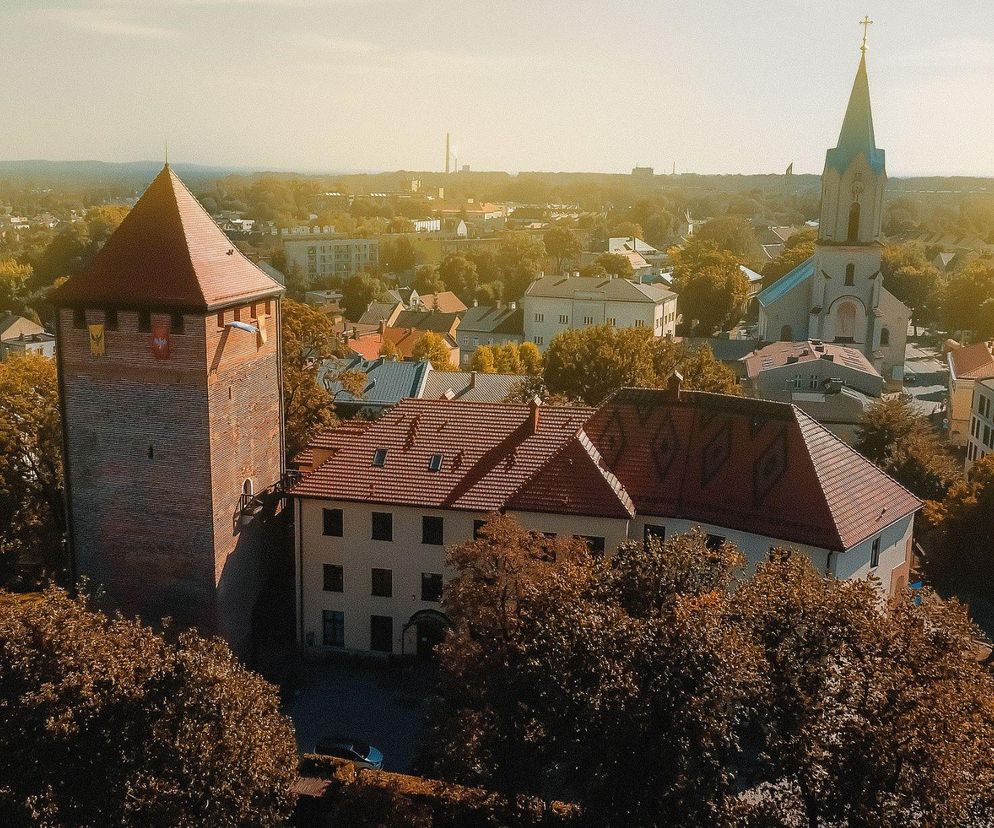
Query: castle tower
(169, 369)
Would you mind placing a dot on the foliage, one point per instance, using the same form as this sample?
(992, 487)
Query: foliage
(711, 289)
(358, 292)
(613, 264)
(389, 350)
(398, 254)
(968, 303)
(459, 275)
(650, 693)
(563, 245)
(103, 722)
(531, 358)
(590, 363)
(531, 387)
(798, 248)
(433, 347)
(507, 359)
(428, 280)
(31, 480)
(483, 360)
(902, 442)
(732, 234)
(912, 278)
(308, 339)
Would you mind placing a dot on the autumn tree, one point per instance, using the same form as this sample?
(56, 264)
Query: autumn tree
(732, 234)
(507, 359)
(968, 299)
(433, 347)
(710, 286)
(31, 478)
(483, 361)
(613, 264)
(912, 278)
(389, 350)
(104, 722)
(531, 358)
(15, 294)
(563, 245)
(309, 339)
(901, 441)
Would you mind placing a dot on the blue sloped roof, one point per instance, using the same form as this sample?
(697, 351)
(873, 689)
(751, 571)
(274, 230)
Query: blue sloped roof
(804, 271)
(387, 381)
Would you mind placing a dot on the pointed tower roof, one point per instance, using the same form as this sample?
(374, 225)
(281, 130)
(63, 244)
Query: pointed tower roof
(168, 254)
(856, 136)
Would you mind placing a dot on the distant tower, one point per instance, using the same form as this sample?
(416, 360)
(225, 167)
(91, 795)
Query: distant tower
(448, 154)
(169, 369)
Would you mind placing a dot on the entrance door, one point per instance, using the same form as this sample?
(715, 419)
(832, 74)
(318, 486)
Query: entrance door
(431, 632)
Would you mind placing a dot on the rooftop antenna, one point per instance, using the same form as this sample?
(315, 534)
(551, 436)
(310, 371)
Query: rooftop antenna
(167, 153)
(865, 23)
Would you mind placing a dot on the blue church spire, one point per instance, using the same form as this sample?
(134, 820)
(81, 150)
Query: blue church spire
(857, 128)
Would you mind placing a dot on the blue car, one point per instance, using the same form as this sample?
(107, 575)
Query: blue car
(359, 753)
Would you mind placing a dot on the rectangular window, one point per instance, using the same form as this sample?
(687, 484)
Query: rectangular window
(334, 628)
(987, 436)
(333, 522)
(564, 319)
(79, 319)
(381, 633)
(383, 583)
(588, 320)
(875, 553)
(653, 530)
(380, 457)
(334, 579)
(477, 526)
(714, 541)
(110, 320)
(431, 586)
(595, 543)
(144, 321)
(220, 320)
(539, 317)
(612, 321)
(435, 463)
(432, 530)
(383, 526)
(268, 307)
(539, 340)
(176, 323)
(639, 323)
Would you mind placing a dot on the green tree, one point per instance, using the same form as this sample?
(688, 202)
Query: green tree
(732, 234)
(358, 292)
(902, 442)
(798, 248)
(459, 275)
(912, 278)
(710, 286)
(531, 358)
(968, 301)
(483, 360)
(397, 254)
(427, 280)
(31, 479)
(614, 264)
(178, 734)
(433, 347)
(563, 245)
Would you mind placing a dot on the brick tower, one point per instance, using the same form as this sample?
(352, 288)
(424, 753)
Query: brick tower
(169, 370)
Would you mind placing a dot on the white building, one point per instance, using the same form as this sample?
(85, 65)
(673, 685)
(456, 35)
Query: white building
(379, 502)
(981, 439)
(556, 303)
(428, 225)
(323, 256)
(22, 336)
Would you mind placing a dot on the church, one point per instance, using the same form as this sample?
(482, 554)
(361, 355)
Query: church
(838, 295)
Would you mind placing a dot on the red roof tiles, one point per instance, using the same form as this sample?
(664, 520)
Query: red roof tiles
(168, 254)
(972, 362)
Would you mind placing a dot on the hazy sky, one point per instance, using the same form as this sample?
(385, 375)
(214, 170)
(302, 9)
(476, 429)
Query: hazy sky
(731, 86)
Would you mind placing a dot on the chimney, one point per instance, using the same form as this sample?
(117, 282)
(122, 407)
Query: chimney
(673, 383)
(534, 407)
(383, 326)
(472, 379)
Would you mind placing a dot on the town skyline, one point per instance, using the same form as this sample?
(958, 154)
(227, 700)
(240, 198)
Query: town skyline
(360, 88)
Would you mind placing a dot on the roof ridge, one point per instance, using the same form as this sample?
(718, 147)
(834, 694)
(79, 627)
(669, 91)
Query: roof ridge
(609, 476)
(814, 468)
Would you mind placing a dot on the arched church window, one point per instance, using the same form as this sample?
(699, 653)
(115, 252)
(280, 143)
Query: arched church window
(853, 235)
(850, 274)
(847, 321)
(786, 334)
(248, 487)
(884, 336)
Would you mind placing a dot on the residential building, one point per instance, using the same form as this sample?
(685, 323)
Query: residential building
(322, 297)
(382, 312)
(490, 325)
(387, 383)
(378, 506)
(321, 256)
(838, 295)
(557, 303)
(469, 386)
(405, 340)
(428, 320)
(427, 225)
(169, 364)
(22, 336)
(445, 301)
(967, 365)
(981, 440)
(834, 384)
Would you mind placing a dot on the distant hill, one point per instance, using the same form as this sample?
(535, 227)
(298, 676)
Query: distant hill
(104, 172)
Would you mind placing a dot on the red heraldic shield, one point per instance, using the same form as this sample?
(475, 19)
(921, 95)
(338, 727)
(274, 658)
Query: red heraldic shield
(160, 341)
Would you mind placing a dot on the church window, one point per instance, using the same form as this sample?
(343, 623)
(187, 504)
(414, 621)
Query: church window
(853, 235)
(850, 274)
(884, 336)
(786, 334)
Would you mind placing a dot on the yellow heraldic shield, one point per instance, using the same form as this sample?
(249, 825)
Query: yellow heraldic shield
(96, 340)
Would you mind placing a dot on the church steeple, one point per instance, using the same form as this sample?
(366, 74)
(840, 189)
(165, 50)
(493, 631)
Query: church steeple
(853, 181)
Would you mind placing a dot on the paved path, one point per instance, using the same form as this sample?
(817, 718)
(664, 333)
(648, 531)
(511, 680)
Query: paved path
(928, 391)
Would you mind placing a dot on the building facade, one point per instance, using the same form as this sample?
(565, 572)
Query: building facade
(838, 294)
(981, 439)
(967, 365)
(377, 506)
(489, 325)
(169, 369)
(323, 256)
(553, 304)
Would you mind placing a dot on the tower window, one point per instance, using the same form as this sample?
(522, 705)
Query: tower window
(151, 453)
(176, 323)
(850, 274)
(79, 318)
(853, 235)
(884, 336)
(110, 320)
(144, 321)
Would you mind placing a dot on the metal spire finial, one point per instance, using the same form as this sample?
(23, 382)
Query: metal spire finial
(865, 23)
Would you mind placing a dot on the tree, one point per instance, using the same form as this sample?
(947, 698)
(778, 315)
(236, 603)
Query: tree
(519, 261)
(531, 358)
(427, 280)
(389, 350)
(308, 339)
(798, 248)
(730, 233)
(710, 286)
(31, 478)
(613, 264)
(968, 301)
(902, 442)
(507, 360)
(176, 733)
(459, 275)
(432, 347)
(563, 245)
(397, 254)
(15, 294)
(912, 278)
(358, 292)
(483, 360)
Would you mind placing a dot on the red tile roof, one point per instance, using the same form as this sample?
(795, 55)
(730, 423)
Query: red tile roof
(168, 254)
(752, 465)
(972, 362)
(777, 354)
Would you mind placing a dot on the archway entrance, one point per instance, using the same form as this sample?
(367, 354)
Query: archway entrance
(423, 632)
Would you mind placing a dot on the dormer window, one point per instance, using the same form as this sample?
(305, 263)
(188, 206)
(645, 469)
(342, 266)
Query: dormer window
(380, 457)
(435, 463)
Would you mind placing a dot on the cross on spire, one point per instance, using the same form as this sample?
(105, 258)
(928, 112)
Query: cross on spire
(865, 23)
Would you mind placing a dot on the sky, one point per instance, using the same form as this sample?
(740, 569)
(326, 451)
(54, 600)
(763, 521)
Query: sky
(736, 86)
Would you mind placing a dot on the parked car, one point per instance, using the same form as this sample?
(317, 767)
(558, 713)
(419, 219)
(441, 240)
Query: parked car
(363, 755)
